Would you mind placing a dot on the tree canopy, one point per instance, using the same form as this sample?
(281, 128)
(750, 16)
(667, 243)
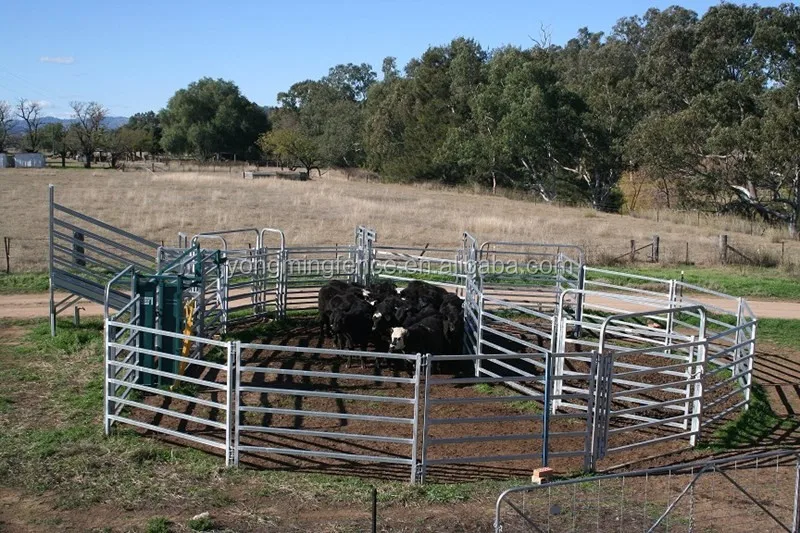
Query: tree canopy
(707, 108)
(211, 117)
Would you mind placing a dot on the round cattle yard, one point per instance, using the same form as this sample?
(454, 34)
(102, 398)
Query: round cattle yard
(442, 364)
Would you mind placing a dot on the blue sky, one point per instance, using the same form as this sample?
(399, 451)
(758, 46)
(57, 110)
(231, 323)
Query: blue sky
(133, 57)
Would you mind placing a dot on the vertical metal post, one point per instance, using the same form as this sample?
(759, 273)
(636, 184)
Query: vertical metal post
(283, 277)
(50, 263)
(421, 362)
(697, 408)
(233, 350)
(479, 334)
(106, 376)
(751, 356)
(796, 507)
(591, 387)
(737, 353)
(580, 298)
(222, 293)
(670, 316)
(558, 330)
(425, 418)
(548, 384)
(235, 403)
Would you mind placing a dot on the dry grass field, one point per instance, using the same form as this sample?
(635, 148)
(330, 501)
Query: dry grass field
(326, 210)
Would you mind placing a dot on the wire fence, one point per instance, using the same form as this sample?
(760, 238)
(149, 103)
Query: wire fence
(746, 493)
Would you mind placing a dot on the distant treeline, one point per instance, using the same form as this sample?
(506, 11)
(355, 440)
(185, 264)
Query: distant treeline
(708, 109)
(705, 109)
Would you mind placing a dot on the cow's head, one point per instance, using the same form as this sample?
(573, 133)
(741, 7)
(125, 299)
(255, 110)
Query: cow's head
(376, 320)
(397, 339)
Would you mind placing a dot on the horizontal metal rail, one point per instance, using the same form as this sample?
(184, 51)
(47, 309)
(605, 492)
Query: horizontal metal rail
(324, 394)
(327, 455)
(325, 434)
(109, 227)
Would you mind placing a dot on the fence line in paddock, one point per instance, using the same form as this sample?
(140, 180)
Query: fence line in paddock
(581, 370)
(595, 354)
(748, 492)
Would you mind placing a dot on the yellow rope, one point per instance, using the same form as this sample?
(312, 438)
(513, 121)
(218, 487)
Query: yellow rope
(188, 313)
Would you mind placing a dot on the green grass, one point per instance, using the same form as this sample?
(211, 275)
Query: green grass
(783, 332)
(158, 524)
(350, 490)
(27, 282)
(203, 523)
(523, 406)
(753, 427)
(53, 443)
(737, 281)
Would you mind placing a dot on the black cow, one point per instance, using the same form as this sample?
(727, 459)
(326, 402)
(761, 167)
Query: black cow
(420, 294)
(417, 316)
(452, 311)
(425, 336)
(351, 322)
(328, 292)
(389, 312)
(381, 290)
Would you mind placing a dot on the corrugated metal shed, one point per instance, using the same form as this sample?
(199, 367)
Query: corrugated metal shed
(5, 161)
(35, 160)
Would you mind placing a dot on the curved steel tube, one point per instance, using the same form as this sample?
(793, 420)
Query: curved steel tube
(218, 235)
(271, 230)
(690, 308)
(108, 289)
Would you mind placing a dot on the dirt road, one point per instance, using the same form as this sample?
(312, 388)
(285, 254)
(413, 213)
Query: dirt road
(25, 306)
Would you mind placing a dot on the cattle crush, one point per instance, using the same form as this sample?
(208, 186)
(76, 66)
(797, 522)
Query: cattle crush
(215, 343)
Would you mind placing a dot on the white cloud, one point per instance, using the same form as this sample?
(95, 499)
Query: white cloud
(43, 103)
(61, 60)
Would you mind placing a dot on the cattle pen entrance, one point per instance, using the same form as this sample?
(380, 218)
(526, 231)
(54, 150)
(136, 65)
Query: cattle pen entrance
(561, 364)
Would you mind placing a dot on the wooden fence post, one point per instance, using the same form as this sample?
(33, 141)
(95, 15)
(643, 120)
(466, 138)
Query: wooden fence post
(7, 247)
(723, 248)
(656, 248)
(77, 249)
(633, 250)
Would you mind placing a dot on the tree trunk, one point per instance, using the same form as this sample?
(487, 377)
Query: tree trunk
(63, 160)
(88, 162)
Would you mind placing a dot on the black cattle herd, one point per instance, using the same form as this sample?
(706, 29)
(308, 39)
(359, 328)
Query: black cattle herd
(419, 318)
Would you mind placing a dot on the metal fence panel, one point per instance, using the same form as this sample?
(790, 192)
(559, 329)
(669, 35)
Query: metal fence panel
(302, 402)
(755, 492)
(195, 407)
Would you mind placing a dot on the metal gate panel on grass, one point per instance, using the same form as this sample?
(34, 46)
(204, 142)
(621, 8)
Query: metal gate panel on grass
(192, 404)
(301, 412)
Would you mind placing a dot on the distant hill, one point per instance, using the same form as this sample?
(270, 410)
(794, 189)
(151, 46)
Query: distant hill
(18, 126)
